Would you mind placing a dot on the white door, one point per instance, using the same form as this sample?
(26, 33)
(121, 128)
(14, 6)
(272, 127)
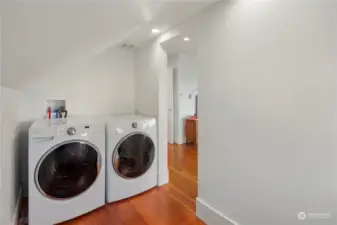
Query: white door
(175, 107)
(170, 132)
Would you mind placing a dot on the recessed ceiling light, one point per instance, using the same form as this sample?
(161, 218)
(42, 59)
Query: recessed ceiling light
(155, 31)
(187, 39)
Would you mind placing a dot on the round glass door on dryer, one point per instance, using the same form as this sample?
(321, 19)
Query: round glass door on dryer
(67, 170)
(132, 156)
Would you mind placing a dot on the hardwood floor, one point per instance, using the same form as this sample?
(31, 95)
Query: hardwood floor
(183, 168)
(171, 204)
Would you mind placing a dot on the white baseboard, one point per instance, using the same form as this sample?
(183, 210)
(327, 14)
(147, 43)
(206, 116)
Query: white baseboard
(163, 177)
(211, 216)
(16, 214)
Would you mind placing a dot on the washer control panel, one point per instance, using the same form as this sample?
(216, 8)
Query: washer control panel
(71, 131)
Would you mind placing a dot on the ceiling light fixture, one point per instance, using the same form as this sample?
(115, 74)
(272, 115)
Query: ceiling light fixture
(187, 39)
(155, 31)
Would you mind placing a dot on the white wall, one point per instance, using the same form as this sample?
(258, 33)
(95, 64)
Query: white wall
(146, 78)
(9, 164)
(10, 185)
(10, 178)
(1, 166)
(101, 84)
(268, 110)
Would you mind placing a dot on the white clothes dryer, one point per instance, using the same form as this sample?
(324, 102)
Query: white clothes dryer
(131, 160)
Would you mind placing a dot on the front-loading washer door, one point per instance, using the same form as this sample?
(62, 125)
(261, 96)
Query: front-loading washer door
(68, 169)
(133, 155)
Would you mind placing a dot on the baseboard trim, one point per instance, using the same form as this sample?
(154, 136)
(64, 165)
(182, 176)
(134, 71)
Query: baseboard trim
(163, 178)
(16, 214)
(210, 215)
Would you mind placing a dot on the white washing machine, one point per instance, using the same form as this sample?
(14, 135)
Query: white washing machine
(131, 160)
(66, 169)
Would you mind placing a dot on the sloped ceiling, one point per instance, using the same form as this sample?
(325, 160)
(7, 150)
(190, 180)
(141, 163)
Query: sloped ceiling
(39, 36)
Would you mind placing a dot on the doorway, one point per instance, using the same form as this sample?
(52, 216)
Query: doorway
(182, 99)
(182, 84)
